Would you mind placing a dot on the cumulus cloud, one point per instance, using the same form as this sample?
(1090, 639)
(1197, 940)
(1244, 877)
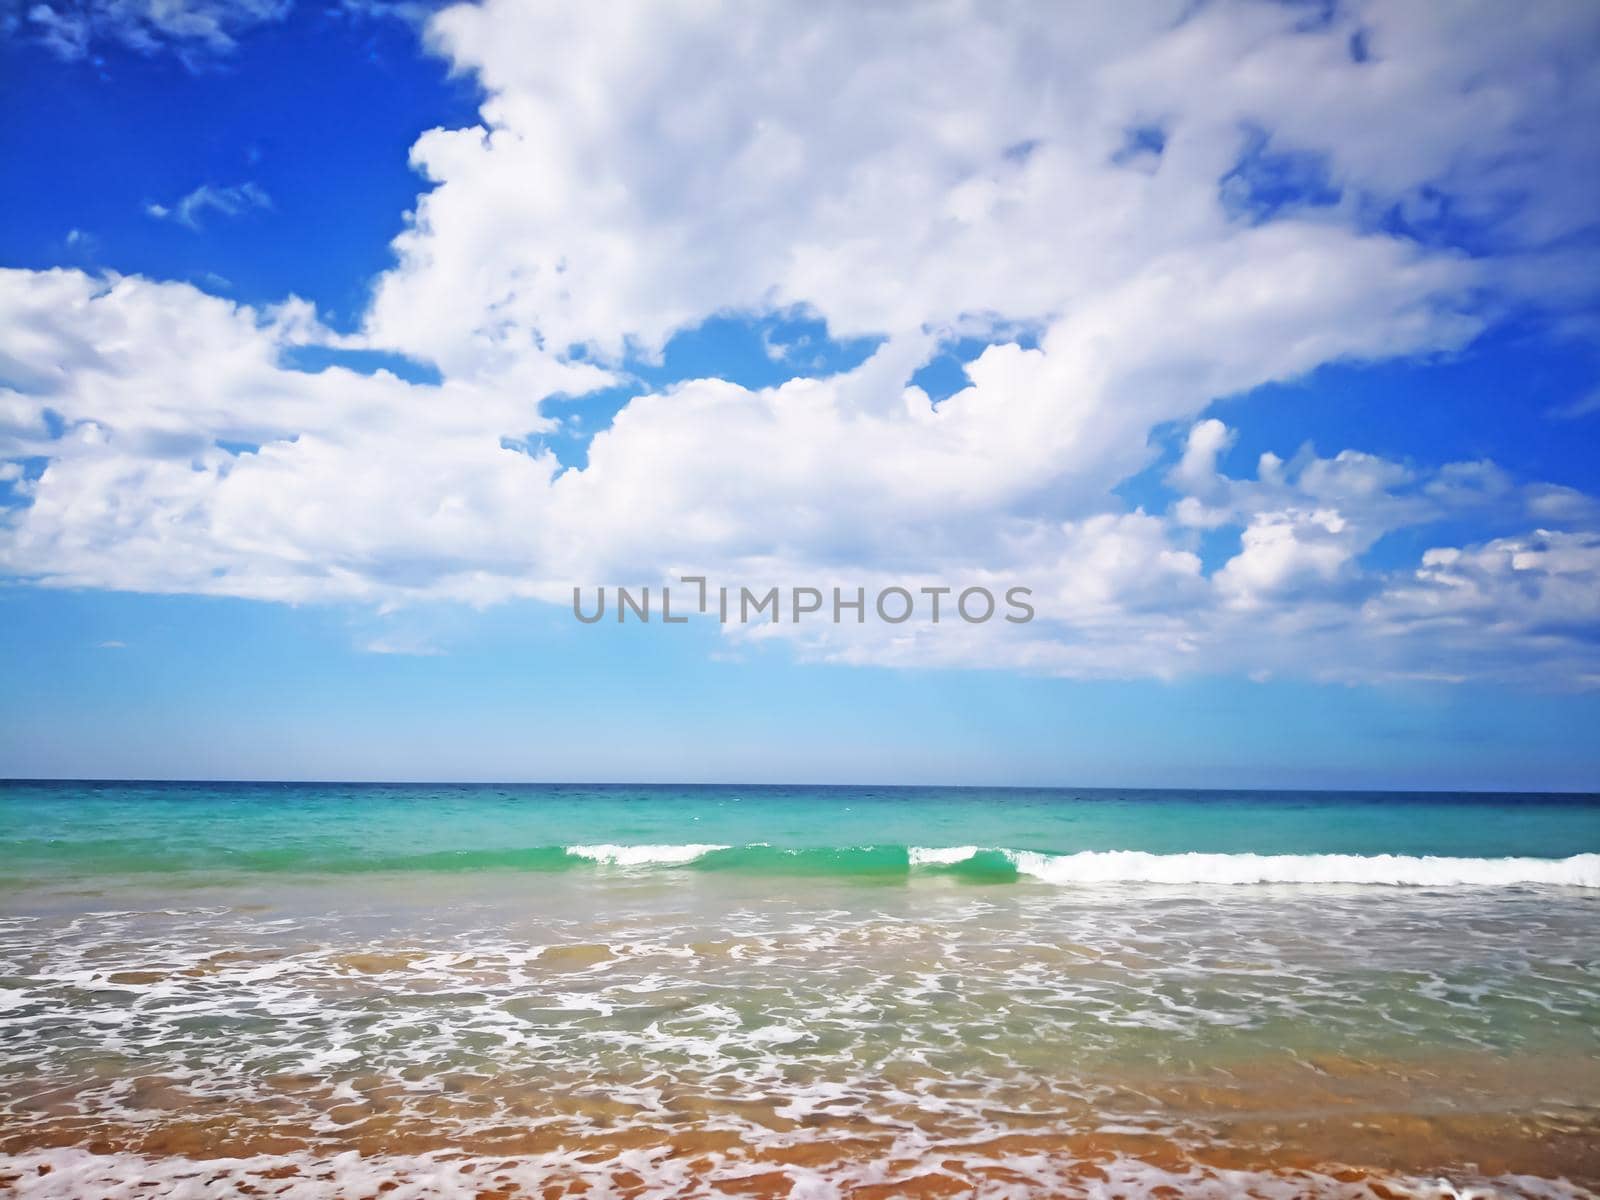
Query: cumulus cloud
(1111, 186)
(604, 200)
(1125, 594)
(185, 457)
(1511, 604)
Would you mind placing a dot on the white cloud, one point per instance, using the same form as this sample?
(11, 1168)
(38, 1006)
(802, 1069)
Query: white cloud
(607, 201)
(405, 647)
(1524, 607)
(1283, 551)
(1585, 405)
(228, 201)
(196, 31)
(912, 174)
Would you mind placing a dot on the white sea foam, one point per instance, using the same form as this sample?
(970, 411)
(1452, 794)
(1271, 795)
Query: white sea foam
(665, 1010)
(940, 856)
(643, 856)
(68, 1174)
(1396, 870)
(1137, 866)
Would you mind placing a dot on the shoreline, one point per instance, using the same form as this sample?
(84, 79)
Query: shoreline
(695, 1167)
(1326, 1121)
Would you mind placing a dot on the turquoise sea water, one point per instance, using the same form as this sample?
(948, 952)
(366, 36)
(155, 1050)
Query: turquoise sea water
(113, 829)
(422, 990)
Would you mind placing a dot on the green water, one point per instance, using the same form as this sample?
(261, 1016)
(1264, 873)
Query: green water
(118, 829)
(521, 971)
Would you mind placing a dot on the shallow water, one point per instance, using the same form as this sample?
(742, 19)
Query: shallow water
(338, 989)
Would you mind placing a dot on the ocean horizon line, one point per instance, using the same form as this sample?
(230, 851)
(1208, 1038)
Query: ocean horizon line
(1121, 789)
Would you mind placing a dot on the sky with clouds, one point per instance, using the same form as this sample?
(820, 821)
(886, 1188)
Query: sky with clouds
(1261, 340)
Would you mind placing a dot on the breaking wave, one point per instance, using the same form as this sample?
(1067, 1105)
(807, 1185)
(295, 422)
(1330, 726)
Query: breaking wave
(880, 861)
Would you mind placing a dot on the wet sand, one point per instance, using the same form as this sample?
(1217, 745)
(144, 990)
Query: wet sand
(1331, 1126)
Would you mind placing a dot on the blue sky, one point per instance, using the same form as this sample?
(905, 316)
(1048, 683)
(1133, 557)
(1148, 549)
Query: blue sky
(338, 342)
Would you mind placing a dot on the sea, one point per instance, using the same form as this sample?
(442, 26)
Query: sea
(506, 990)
